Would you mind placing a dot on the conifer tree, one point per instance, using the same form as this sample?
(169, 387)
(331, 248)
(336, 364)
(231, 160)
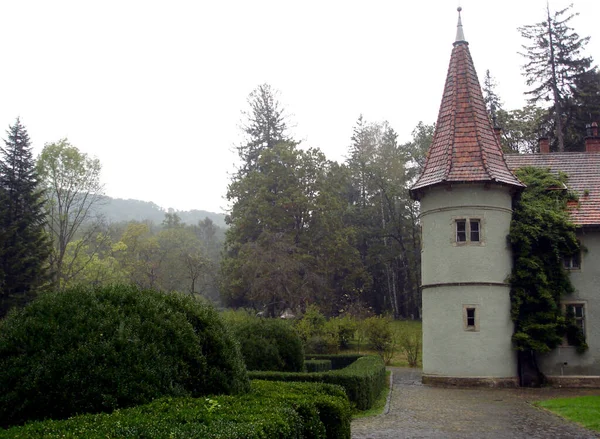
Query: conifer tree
(24, 245)
(554, 62)
(265, 126)
(492, 101)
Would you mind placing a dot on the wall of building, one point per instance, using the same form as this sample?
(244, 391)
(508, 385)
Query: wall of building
(458, 275)
(565, 360)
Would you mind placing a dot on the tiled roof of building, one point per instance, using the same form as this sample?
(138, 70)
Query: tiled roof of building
(583, 170)
(465, 147)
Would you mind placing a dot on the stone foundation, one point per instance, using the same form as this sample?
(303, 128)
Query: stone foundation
(574, 381)
(444, 381)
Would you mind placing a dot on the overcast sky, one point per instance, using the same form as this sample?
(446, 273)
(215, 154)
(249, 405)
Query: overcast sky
(155, 89)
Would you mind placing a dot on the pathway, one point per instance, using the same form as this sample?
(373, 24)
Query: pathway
(417, 411)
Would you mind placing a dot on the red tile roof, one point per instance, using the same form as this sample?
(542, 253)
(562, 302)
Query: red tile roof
(583, 170)
(465, 147)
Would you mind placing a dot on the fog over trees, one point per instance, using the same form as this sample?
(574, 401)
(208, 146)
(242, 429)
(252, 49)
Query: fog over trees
(301, 229)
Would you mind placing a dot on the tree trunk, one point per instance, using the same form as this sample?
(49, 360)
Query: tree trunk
(529, 371)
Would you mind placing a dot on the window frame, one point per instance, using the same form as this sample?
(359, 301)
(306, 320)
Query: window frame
(583, 318)
(465, 315)
(467, 222)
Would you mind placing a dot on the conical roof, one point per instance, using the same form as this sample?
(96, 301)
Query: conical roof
(465, 147)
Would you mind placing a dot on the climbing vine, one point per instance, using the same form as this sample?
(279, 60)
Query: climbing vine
(541, 234)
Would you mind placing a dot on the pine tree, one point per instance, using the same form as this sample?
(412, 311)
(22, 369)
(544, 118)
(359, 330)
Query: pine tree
(554, 62)
(492, 101)
(265, 126)
(24, 245)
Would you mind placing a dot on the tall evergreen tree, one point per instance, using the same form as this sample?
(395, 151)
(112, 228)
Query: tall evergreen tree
(25, 246)
(492, 101)
(554, 62)
(264, 125)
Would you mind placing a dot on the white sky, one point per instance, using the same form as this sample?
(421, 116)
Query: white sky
(155, 89)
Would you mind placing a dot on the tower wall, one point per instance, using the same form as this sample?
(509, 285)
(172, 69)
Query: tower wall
(468, 275)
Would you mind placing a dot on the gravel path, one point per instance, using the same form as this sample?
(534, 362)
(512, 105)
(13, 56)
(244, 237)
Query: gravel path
(417, 411)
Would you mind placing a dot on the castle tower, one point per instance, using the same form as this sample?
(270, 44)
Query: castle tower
(466, 192)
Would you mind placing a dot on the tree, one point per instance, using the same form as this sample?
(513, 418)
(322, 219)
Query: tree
(493, 104)
(24, 245)
(265, 126)
(287, 243)
(554, 62)
(71, 180)
(541, 234)
(522, 128)
(582, 108)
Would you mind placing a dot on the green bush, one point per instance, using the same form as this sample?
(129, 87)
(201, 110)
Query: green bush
(281, 410)
(95, 350)
(380, 334)
(317, 365)
(267, 344)
(338, 361)
(362, 380)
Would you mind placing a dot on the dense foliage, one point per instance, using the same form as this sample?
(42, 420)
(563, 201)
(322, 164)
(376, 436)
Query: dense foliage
(555, 62)
(94, 350)
(282, 410)
(541, 235)
(24, 244)
(363, 380)
(267, 344)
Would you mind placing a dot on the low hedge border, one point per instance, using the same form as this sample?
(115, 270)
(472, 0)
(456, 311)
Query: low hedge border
(318, 365)
(282, 410)
(362, 380)
(338, 361)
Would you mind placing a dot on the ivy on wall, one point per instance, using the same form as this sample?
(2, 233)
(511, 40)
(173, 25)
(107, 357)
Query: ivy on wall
(541, 234)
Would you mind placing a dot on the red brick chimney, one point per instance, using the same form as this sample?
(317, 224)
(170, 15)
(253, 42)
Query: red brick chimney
(592, 140)
(544, 145)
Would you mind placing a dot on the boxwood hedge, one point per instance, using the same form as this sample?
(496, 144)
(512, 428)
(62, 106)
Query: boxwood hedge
(317, 365)
(94, 350)
(363, 380)
(281, 410)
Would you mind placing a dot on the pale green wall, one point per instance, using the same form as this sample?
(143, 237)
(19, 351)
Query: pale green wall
(587, 283)
(448, 349)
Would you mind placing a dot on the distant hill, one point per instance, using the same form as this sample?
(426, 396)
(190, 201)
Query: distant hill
(117, 210)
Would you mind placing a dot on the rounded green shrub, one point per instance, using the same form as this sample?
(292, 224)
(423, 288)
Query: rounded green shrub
(94, 350)
(269, 344)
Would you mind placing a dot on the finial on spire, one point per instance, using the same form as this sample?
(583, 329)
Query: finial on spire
(460, 36)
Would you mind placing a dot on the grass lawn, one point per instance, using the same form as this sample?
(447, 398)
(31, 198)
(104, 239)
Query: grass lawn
(402, 328)
(585, 410)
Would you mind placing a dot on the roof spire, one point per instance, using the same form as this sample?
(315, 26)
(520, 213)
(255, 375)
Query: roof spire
(460, 36)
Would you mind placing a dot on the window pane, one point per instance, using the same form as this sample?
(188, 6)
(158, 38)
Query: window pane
(470, 316)
(474, 224)
(461, 230)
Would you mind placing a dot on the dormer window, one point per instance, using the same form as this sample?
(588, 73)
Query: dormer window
(468, 230)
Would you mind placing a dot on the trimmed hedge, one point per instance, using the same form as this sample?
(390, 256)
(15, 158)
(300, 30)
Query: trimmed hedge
(268, 344)
(362, 381)
(338, 361)
(94, 350)
(281, 410)
(317, 365)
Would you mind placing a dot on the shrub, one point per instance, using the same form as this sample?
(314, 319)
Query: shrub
(282, 410)
(317, 365)
(346, 327)
(338, 361)
(380, 333)
(311, 323)
(93, 350)
(362, 380)
(410, 343)
(268, 344)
